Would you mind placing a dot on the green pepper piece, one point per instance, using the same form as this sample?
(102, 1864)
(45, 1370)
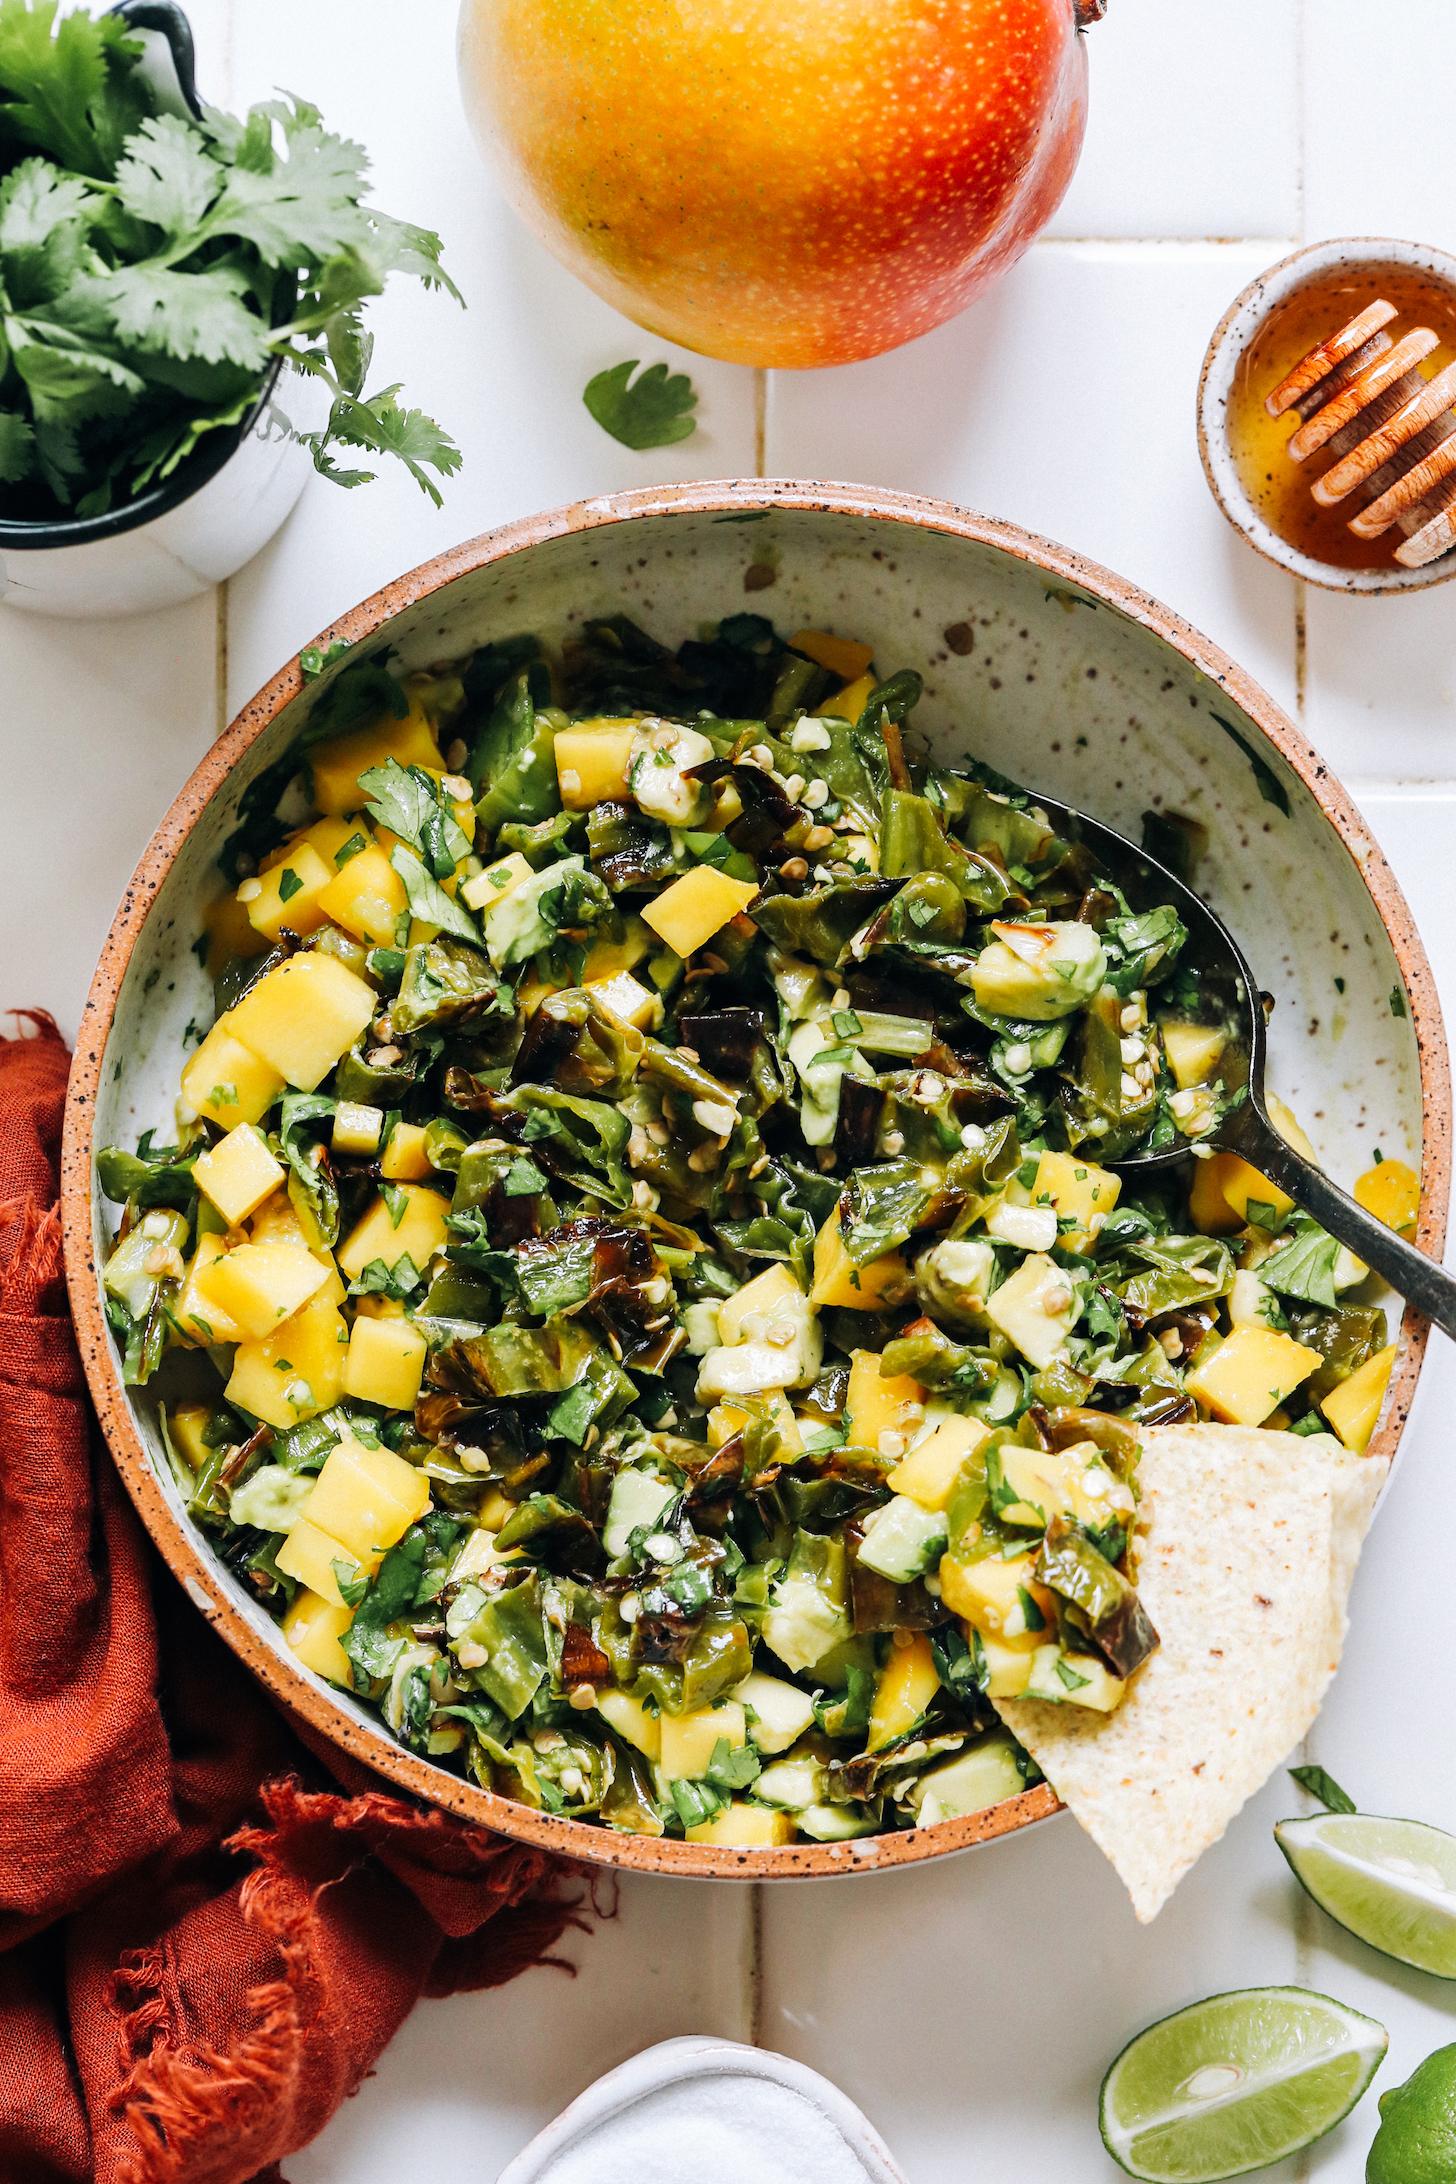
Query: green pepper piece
(512, 767)
(912, 840)
(1104, 1607)
(510, 1629)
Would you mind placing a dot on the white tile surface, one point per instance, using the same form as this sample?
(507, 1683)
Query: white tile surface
(1064, 399)
(1193, 124)
(971, 2006)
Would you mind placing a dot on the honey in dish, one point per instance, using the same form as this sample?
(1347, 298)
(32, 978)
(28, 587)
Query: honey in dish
(1278, 487)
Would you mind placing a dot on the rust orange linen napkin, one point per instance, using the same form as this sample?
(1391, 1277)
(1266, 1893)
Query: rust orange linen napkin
(208, 1928)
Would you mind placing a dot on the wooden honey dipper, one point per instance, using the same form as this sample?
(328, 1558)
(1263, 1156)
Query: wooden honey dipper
(1391, 433)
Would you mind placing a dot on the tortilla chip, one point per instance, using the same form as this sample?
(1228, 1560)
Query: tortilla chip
(1246, 1549)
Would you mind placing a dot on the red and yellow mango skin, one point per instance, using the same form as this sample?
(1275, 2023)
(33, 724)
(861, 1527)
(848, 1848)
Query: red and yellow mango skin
(780, 182)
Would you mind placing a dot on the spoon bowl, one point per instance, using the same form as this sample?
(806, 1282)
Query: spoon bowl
(1244, 1125)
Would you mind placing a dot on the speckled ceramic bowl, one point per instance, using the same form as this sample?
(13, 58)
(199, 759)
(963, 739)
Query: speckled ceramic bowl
(1055, 671)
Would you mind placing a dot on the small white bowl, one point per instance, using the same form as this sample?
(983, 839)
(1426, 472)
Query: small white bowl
(1243, 320)
(731, 2114)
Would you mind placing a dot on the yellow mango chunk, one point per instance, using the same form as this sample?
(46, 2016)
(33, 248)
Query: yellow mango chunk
(1079, 1191)
(1354, 1406)
(405, 1159)
(229, 932)
(484, 889)
(418, 1235)
(386, 1363)
(336, 766)
(929, 1473)
(874, 1404)
(1209, 1209)
(296, 1373)
(741, 1826)
(259, 1286)
(1391, 1191)
(237, 1173)
(904, 1688)
(727, 1418)
(696, 906)
(850, 702)
(313, 1627)
(200, 1319)
(993, 1593)
(309, 1554)
(628, 998)
(689, 1740)
(366, 1498)
(366, 896)
(227, 1082)
(752, 1309)
(303, 1016)
(837, 1280)
(604, 958)
(845, 657)
(326, 836)
(286, 898)
(1250, 1374)
(591, 762)
(1194, 1052)
(1070, 1482)
(357, 1128)
(1224, 1186)
(632, 1722)
(187, 1426)
(277, 1222)
(1008, 1665)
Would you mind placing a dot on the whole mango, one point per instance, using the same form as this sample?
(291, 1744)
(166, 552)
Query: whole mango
(781, 182)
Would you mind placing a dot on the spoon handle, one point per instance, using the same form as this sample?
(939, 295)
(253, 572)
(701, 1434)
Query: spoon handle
(1420, 1280)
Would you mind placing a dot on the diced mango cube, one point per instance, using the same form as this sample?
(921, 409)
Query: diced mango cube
(837, 1280)
(628, 998)
(1194, 1052)
(993, 1593)
(875, 1404)
(237, 1173)
(1208, 1205)
(1250, 1374)
(696, 906)
(187, 1425)
(904, 1689)
(313, 1627)
(1392, 1192)
(1036, 1307)
(366, 896)
(366, 1498)
(386, 1363)
(230, 932)
(850, 702)
(621, 1711)
(929, 1473)
(326, 836)
(1354, 1406)
(741, 1826)
(296, 1373)
(727, 1418)
(357, 1129)
(604, 958)
(1071, 1482)
(1008, 1664)
(845, 657)
(591, 762)
(336, 766)
(259, 1286)
(287, 898)
(689, 1740)
(418, 1234)
(303, 1016)
(1079, 1191)
(226, 1081)
(309, 1554)
(404, 1159)
(484, 889)
(200, 1319)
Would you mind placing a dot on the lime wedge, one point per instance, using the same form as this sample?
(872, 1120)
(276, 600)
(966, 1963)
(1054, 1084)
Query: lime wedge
(1236, 2082)
(1392, 1882)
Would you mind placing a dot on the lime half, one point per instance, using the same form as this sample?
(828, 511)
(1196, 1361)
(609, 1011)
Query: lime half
(1236, 2082)
(1392, 1882)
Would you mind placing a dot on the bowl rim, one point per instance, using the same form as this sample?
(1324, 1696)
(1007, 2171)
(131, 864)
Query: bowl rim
(305, 1696)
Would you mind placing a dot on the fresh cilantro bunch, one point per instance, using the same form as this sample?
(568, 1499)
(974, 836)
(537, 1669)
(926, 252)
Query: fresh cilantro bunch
(153, 267)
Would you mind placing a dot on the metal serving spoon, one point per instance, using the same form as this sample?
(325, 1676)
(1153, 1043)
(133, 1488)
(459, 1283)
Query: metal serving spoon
(1246, 1129)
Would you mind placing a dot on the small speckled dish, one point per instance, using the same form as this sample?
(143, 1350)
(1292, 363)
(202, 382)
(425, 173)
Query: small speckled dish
(1055, 671)
(1249, 312)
